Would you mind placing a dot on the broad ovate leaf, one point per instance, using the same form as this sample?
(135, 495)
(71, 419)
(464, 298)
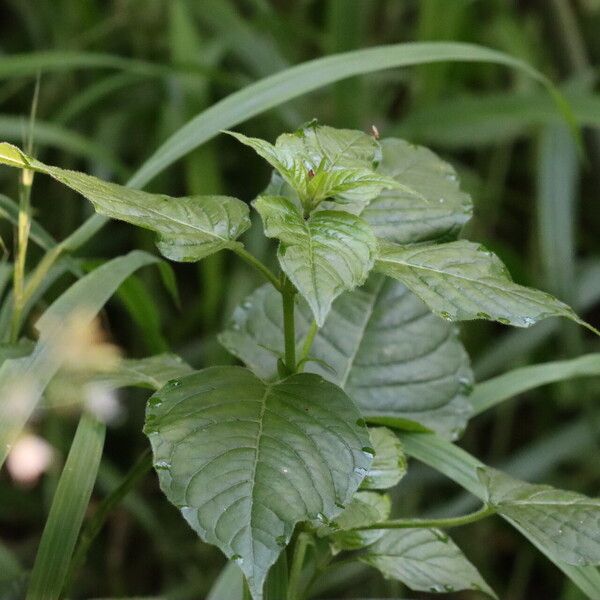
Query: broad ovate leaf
(462, 281)
(188, 228)
(246, 460)
(397, 360)
(321, 162)
(389, 461)
(324, 255)
(425, 560)
(365, 509)
(427, 204)
(565, 524)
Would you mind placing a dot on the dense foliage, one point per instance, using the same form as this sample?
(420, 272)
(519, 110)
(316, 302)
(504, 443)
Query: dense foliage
(337, 287)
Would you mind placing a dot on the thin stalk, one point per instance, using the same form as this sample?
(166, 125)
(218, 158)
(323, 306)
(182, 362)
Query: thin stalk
(308, 342)
(23, 227)
(289, 326)
(247, 595)
(95, 524)
(482, 513)
(259, 266)
(23, 224)
(276, 586)
(302, 543)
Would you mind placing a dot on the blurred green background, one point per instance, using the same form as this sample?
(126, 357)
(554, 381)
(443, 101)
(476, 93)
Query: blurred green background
(536, 200)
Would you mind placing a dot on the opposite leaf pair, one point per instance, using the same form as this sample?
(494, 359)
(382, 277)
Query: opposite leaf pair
(329, 243)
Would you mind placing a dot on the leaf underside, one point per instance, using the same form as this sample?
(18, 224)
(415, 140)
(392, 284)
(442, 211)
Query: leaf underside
(394, 357)
(425, 560)
(427, 204)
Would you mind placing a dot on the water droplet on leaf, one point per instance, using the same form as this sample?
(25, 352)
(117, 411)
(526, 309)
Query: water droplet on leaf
(154, 401)
(369, 451)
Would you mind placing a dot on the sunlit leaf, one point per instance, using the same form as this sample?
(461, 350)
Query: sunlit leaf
(188, 228)
(462, 281)
(321, 162)
(427, 204)
(323, 256)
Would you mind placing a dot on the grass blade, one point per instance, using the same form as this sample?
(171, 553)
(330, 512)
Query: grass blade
(306, 77)
(23, 380)
(557, 195)
(493, 391)
(277, 89)
(94, 526)
(461, 467)
(67, 511)
(51, 61)
(479, 120)
(56, 136)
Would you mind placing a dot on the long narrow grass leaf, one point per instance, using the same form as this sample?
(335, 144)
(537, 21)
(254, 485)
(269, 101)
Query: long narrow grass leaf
(306, 77)
(56, 136)
(67, 511)
(461, 467)
(493, 391)
(23, 380)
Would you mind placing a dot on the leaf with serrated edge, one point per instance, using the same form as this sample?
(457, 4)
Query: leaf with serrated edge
(394, 357)
(425, 560)
(321, 162)
(389, 462)
(427, 204)
(245, 460)
(188, 228)
(365, 509)
(565, 523)
(461, 281)
(323, 256)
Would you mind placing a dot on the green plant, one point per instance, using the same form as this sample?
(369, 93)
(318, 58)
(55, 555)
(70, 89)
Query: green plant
(351, 361)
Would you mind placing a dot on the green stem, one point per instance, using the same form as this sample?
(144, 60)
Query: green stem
(259, 266)
(308, 342)
(95, 524)
(302, 543)
(289, 327)
(482, 513)
(276, 586)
